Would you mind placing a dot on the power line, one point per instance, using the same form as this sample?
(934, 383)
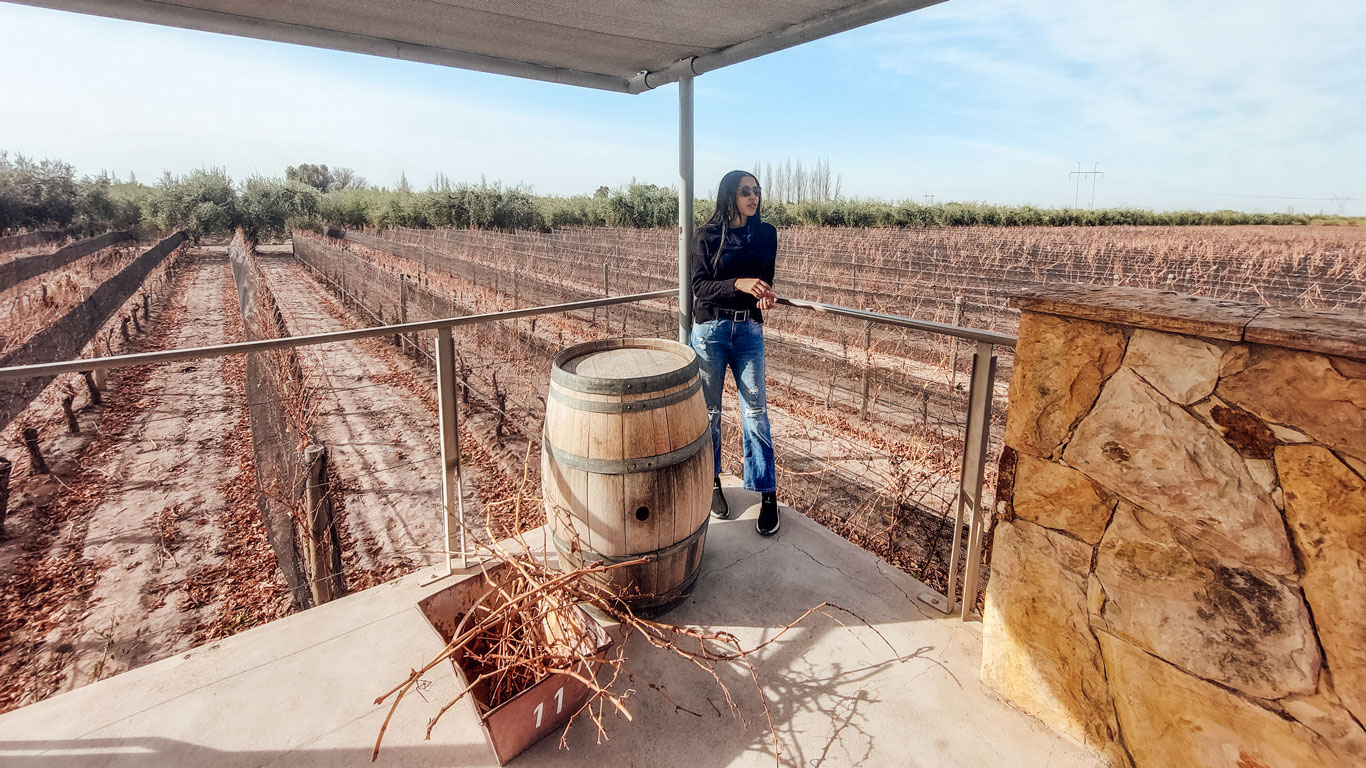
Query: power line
(1093, 173)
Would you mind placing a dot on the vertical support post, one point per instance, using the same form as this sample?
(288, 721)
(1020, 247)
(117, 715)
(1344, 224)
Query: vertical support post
(323, 564)
(953, 341)
(968, 510)
(685, 204)
(91, 387)
(867, 368)
(35, 454)
(68, 409)
(452, 485)
(606, 291)
(5, 467)
(402, 310)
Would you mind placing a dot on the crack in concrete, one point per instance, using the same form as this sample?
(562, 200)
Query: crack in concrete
(842, 572)
(738, 560)
(877, 566)
(914, 602)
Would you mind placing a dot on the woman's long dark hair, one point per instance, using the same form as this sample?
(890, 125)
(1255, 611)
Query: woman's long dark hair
(728, 208)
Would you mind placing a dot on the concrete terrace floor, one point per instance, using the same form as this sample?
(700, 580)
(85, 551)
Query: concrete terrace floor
(300, 691)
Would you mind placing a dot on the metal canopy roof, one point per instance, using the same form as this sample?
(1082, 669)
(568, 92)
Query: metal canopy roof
(617, 45)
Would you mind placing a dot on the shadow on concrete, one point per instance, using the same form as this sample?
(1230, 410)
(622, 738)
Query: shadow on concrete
(821, 681)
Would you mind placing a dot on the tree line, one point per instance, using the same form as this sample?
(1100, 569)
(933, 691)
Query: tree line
(46, 194)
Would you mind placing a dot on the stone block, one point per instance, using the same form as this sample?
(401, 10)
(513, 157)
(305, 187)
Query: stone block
(1324, 714)
(1288, 435)
(1140, 446)
(1325, 505)
(1060, 365)
(1332, 332)
(1322, 397)
(1264, 472)
(1244, 432)
(1142, 308)
(1236, 359)
(1218, 620)
(1061, 498)
(1183, 368)
(1037, 647)
(1173, 720)
(1357, 464)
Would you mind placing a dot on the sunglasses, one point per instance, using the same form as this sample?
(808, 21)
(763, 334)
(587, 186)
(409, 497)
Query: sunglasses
(749, 191)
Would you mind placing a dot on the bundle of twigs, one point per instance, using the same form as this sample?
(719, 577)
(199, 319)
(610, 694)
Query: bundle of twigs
(529, 624)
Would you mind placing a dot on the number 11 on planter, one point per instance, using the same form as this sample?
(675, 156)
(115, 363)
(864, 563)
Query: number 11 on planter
(559, 705)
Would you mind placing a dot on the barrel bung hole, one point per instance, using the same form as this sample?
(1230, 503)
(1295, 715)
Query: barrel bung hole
(643, 514)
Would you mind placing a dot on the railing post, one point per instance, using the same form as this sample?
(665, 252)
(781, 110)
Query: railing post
(968, 508)
(867, 368)
(452, 485)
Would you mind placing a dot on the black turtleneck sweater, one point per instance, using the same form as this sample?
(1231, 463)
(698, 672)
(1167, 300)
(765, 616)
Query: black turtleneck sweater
(748, 251)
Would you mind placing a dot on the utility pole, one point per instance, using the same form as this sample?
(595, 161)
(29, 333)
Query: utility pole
(929, 199)
(1093, 173)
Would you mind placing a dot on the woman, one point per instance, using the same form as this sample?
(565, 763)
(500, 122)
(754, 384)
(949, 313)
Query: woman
(732, 258)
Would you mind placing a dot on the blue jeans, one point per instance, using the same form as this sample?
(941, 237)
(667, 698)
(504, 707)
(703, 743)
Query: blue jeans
(721, 343)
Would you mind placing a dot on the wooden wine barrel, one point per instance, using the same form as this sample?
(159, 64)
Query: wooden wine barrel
(626, 464)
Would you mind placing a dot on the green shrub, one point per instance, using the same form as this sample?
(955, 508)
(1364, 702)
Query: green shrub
(643, 206)
(574, 211)
(268, 208)
(36, 194)
(202, 202)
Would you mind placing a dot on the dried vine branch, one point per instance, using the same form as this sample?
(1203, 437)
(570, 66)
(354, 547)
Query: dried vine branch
(529, 625)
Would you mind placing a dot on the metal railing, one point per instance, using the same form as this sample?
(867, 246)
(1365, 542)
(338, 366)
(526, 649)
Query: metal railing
(447, 382)
(968, 504)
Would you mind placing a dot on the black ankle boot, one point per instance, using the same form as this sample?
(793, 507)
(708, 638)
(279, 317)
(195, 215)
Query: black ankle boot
(768, 515)
(719, 509)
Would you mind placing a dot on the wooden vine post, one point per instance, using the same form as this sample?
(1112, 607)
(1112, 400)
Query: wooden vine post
(867, 368)
(5, 467)
(953, 342)
(322, 547)
(72, 425)
(91, 388)
(605, 292)
(35, 456)
(403, 310)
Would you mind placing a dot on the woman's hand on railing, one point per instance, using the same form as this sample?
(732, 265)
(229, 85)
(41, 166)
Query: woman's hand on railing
(756, 288)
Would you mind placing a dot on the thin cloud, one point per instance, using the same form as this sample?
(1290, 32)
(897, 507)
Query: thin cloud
(970, 99)
(1260, 93)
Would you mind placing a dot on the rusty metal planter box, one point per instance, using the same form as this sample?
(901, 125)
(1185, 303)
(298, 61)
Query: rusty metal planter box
(529, 716)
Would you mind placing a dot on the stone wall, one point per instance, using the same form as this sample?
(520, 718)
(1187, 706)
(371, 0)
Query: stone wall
(1179, 572)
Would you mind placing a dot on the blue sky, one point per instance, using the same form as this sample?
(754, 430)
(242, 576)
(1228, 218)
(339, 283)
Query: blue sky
(1183, 103)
